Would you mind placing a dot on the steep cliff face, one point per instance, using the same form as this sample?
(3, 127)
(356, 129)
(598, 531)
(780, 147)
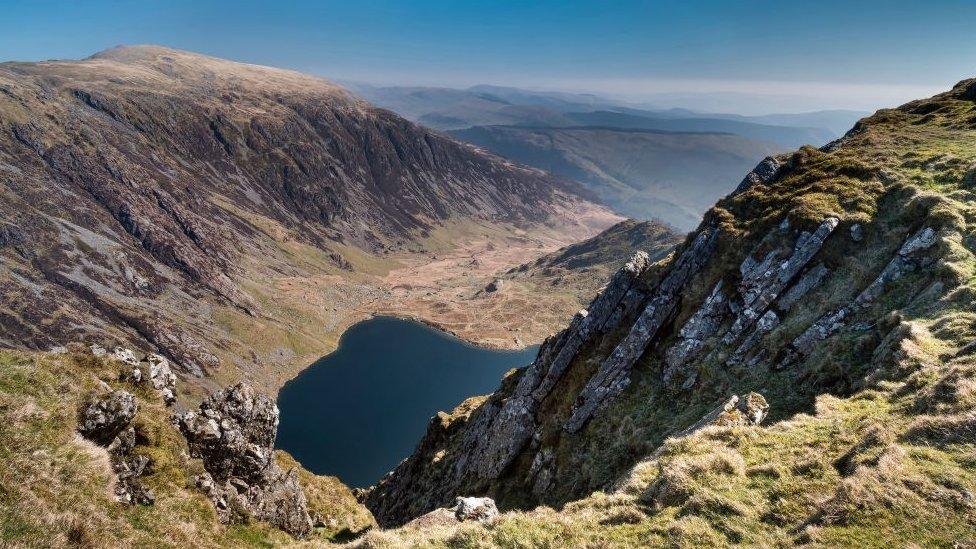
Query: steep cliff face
(149, 194)
(816, 276)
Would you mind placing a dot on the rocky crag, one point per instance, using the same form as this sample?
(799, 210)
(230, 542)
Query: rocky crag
(842, 271)
(234, 433)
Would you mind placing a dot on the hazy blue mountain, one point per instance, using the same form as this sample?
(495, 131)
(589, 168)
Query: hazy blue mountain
(836, 121)
(644, 174)
(448, 109)
(483, 105)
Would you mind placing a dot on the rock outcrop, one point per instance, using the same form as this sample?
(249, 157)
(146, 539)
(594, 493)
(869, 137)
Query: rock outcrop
(750, 409)
(762, 281)
(106, 421)
(479, 509)
(465, 509)
(764, 172)
(509, 428)
(613, 375)
(233, 433)
(153, 370)
(909, 257)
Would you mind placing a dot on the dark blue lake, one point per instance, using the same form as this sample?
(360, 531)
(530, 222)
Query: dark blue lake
(357, 412)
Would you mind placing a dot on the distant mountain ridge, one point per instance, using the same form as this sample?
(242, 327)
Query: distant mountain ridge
(594, 140)
(483, 105)
(641, 173)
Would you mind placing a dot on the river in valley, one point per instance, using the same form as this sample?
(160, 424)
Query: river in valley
(359, 411)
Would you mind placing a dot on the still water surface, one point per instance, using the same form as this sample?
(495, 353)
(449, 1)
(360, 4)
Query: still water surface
(357, 412)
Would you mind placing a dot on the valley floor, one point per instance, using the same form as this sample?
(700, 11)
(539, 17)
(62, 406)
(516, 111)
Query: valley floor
(440, 280)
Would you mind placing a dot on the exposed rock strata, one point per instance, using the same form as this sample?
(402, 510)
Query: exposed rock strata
(810, 280)
(908, 258)
(691, 339)
(612, 376)
(509, 428)
(762, 282)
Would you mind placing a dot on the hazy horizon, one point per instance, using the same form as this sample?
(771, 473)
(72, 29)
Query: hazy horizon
(750, 58)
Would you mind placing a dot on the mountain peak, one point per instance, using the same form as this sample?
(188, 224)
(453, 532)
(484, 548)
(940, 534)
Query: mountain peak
(136, 52)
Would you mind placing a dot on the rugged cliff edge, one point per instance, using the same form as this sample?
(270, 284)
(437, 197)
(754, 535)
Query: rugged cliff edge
(844, 271)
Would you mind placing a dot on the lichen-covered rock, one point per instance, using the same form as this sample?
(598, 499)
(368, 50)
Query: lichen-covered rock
(125, 356)
(765, 172)
(762, 283)
(479, 509)
(613, 376)
(155, 369)
(766, 323)
(909, 257)
(105, 418)
(106, 421)
(810, 280)
(691, 339)
(750, 409)
(233, 433)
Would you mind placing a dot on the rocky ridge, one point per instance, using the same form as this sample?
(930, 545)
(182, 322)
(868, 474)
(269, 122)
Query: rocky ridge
(774, 277)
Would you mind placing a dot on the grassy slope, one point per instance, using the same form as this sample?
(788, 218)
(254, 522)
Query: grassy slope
(579, 270)
(55, 487)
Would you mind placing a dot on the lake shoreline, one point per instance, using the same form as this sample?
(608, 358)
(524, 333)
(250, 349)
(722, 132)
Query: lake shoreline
(358, 411)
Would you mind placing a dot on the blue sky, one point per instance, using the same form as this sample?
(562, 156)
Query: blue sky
(752, 56)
